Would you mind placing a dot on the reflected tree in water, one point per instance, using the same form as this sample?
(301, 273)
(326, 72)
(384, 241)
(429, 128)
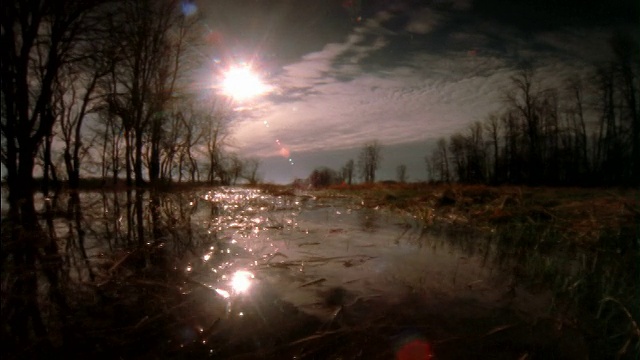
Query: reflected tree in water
(369, 219)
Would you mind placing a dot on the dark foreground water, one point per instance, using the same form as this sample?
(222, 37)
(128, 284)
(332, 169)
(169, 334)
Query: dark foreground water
(236, 273)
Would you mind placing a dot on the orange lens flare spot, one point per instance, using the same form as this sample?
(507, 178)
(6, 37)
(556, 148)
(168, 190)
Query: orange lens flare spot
(284, 152)
(415, 350)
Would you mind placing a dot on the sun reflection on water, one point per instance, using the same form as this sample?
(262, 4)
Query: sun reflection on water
(224, 293)
(241, 281)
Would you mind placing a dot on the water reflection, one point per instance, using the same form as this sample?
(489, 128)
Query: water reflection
(369, 219)
(241, 281)
(236, 272)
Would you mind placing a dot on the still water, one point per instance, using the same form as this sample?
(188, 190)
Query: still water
(238, 273)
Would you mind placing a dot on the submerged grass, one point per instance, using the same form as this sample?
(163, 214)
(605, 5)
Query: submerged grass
(583, 244)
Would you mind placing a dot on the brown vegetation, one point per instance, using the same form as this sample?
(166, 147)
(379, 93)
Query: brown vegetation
(581, 215)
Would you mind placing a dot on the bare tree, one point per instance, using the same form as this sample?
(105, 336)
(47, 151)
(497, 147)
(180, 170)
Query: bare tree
(171, 144)
(347, 171)
(323, 177)
(369, 160)
(578, 124)
(476, 154)
(188, 126)
(37, 39)
(445, 172)
(109, 133)
(428, 163)
(217, 115)
(627, 57)
(401, 173)
(524, 99)
(145, 77)
(74, 98)
(512, 157)
(49, 172)
(457, 148)
(235, 168)
(250, 168)
(609, 139)
(164, 87)
(549, 113)
(492, 126)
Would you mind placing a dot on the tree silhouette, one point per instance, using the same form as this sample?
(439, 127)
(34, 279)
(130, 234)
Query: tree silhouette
(401, 173)
(439, 162)
(38, 39)
(581, 134)
(250, 168)
(149, 35)
(323, 177)
(369, 160)
(347, 171)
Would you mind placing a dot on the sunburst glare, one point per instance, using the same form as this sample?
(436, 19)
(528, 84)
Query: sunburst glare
(242, 83)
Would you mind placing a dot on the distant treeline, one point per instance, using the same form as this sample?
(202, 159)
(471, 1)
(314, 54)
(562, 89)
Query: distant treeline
(586, 132)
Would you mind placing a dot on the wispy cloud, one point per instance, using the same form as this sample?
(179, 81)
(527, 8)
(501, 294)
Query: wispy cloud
(405, 84)
(424, 21)
(423, 96)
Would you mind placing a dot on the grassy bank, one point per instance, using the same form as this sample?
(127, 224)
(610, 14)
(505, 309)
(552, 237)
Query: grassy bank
(582, 215)
(583, 244)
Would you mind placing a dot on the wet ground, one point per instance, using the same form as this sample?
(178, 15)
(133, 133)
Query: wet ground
(238, 273)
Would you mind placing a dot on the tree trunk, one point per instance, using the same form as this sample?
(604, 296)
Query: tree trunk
(24, 192)
(127, 155)
(154, 161)
(137, 164)
(103, 157)
(47, 165)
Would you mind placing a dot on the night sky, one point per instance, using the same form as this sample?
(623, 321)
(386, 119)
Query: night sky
(403, 72)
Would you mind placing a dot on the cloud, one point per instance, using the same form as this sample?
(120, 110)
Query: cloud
(412, 85)
(428, 96)
(424, 21)
(424, 96)
(570, 43)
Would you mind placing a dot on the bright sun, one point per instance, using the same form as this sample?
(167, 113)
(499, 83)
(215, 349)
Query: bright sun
(241, 83)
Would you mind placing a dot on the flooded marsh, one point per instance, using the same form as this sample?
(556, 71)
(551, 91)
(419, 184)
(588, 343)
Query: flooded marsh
(245, 274)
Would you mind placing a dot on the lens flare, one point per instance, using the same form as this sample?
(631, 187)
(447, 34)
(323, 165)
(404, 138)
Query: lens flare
(284, 152)
(188, 8)
(241, 83)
